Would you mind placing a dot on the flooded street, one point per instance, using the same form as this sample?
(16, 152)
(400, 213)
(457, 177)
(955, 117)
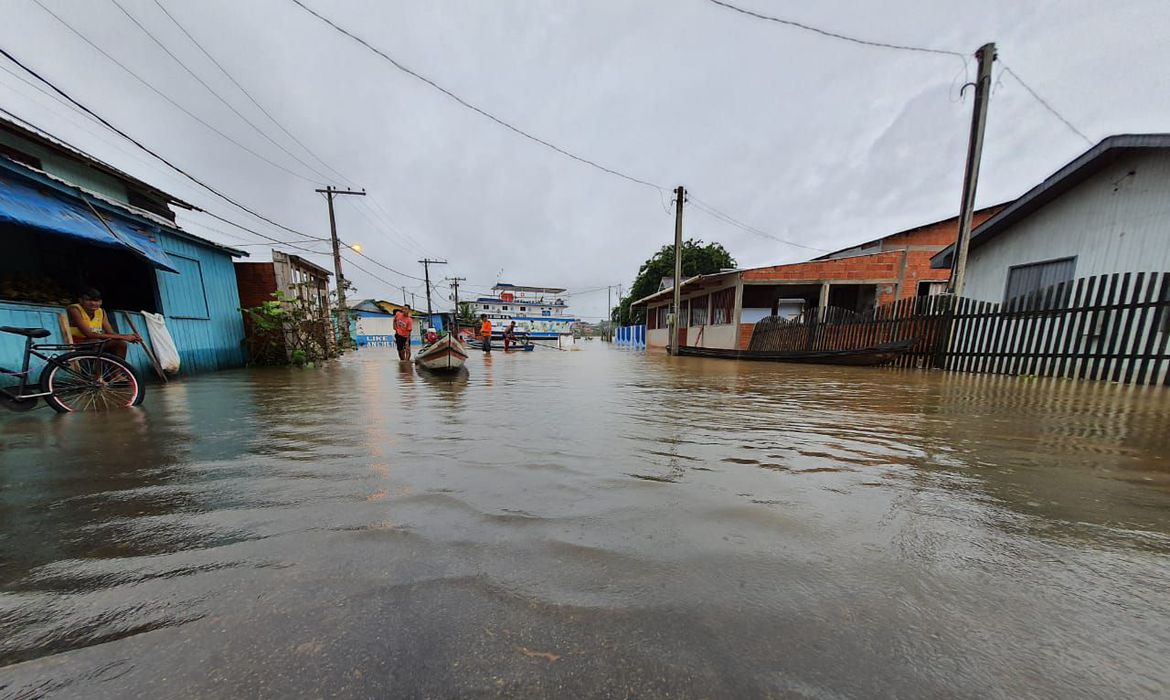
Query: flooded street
(591, 523)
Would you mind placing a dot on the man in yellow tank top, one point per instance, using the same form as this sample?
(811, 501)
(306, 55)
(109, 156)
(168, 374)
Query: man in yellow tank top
(88, 323)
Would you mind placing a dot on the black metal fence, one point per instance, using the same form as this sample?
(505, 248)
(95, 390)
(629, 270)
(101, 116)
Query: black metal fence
(1110, 327)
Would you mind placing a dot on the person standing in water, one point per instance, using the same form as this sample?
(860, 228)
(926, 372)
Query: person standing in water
(403, 325)
(485, 330)
(88, 323)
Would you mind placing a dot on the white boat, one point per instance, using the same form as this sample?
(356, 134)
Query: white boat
(446, 354)
(539, 313)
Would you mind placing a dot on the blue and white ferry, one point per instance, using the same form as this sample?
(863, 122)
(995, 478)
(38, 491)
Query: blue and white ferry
(539, 313)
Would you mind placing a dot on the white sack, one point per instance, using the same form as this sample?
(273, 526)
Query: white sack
(164, 344)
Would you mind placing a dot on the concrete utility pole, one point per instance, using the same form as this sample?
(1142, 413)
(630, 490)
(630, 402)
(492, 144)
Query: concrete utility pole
(342, 310)
(986, 56)
(426, 263)
(455, 286)
(679, 194)
(609, 306)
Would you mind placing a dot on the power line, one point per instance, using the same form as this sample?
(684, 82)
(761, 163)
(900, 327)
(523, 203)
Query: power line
(382, 265)
(1045, 103)
(515, 129)
(166, 97)
(728, 219)
(836, 35)
(247, 94)
(166, 162)
(215, 94)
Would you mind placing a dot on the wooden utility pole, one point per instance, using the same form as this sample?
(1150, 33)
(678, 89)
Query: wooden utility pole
(679, 194)
(455, 316)
(986, 56)
(426, 263)
(342, 309)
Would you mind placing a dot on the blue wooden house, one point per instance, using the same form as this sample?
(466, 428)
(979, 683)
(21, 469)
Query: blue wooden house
(70, 222)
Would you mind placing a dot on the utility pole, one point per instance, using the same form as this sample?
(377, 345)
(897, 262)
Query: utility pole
(426, 263)
(986, 56)
(609, 314)
(403, 295)
(455, 316)
(679, 195)
(342, 310)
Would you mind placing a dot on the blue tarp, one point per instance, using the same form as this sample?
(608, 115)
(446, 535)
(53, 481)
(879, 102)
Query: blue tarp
(26, 205)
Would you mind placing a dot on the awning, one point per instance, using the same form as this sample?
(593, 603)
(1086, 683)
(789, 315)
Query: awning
(26, 205)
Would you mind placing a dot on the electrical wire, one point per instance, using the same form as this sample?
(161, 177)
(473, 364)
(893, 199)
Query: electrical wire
(166, 162)
(215, 94)
(836, 35)
(482, 112)
(1045, 103)
(166, 97)
(246, 93)
(728, 219)
(382, 265)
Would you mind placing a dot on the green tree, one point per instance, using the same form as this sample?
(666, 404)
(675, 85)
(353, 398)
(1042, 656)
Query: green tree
(698, 258)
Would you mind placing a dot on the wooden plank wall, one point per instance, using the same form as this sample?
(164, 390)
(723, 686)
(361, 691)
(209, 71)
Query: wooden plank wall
(214, 341)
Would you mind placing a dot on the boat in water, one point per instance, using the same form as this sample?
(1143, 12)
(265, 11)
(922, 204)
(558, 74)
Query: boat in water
(540, 314)
(446, 354)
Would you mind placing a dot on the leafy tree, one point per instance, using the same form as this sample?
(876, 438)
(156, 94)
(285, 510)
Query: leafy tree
(698, 258)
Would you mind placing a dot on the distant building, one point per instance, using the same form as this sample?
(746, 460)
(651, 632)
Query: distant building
(69, 221)
(1107, 211)
(372, 323)
(719, 310)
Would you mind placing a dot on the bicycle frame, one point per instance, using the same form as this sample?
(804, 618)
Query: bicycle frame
(31, 349)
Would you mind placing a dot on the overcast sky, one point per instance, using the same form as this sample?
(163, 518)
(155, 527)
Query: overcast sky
(810, 139)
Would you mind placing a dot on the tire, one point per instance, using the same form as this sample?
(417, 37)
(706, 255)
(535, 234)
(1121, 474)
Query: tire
(71, 386)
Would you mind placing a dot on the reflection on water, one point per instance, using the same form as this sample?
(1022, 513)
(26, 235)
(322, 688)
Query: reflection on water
(591, 522)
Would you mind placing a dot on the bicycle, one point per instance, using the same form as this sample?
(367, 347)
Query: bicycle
(81, 378)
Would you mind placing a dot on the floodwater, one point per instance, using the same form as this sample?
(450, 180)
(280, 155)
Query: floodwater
(599, 523)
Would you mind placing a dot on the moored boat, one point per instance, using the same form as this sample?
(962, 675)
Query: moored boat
(867, 356)
(446, 354)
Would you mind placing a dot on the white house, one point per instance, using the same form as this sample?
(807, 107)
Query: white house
(1107, 211)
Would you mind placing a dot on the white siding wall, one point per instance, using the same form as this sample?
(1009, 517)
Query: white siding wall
(1112, 222)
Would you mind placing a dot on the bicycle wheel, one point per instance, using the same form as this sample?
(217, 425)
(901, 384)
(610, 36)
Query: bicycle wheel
(87, 381)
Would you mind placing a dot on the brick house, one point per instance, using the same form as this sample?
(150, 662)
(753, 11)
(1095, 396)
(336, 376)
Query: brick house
(720, 310)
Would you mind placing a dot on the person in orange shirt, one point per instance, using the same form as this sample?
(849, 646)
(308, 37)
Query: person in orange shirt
(485, 330)
(403, 325)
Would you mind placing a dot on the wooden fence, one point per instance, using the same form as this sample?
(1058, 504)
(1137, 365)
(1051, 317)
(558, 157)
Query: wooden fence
(925, 320)
(1110, 327)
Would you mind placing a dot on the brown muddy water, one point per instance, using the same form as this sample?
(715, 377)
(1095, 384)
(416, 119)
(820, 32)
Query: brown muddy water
(596, 523)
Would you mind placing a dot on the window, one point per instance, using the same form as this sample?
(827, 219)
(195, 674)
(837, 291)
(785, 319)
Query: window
(503, 308)
(723, 306)
(699, 310)
(185, 297)
(523, 308)
(931, 289)
(1025, 279)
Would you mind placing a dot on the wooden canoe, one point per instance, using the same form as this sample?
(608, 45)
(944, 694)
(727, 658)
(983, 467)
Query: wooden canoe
(868, 356)
(446, 354)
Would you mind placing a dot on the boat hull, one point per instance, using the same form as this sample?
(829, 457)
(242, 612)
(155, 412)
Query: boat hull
(446, 354)
(862, 357)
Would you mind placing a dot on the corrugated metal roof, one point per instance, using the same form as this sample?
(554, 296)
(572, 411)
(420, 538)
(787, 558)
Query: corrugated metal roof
(1077, 171)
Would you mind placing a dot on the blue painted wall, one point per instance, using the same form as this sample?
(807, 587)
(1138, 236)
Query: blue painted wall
(201, 306)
